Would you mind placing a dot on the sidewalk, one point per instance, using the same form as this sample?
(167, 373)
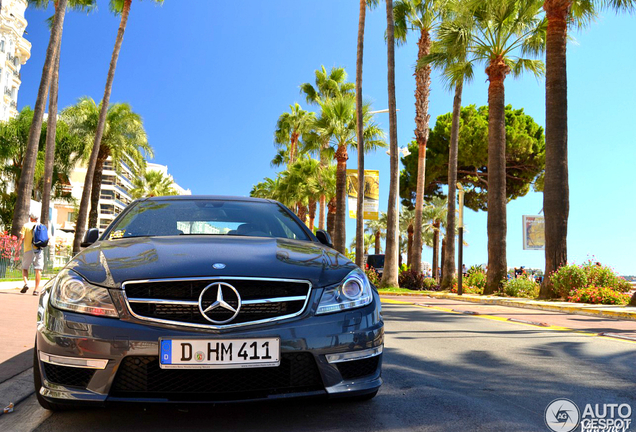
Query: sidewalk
(606, 311)
(17, 284)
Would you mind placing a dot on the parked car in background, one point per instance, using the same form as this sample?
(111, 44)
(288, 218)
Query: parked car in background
(376, 262)
(207, 299)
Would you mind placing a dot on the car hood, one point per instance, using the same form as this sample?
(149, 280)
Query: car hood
(112, 262)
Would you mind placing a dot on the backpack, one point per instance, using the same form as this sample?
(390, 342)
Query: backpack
(40, 236)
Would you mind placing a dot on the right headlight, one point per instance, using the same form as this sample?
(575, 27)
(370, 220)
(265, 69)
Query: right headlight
(353, 292)
(72, 293)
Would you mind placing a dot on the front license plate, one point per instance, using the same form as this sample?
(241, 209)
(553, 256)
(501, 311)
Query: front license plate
(218, 353)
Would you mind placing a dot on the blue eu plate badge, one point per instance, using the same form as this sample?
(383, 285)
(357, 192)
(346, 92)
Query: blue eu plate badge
(166, 351)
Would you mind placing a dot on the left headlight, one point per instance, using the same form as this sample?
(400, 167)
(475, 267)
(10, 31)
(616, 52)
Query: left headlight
(71, 292)
(354, 291)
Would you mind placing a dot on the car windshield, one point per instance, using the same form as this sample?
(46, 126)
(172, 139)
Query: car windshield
(206, 217)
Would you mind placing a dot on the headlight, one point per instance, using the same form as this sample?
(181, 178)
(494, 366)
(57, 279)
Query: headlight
(353, 292)
(71, 292)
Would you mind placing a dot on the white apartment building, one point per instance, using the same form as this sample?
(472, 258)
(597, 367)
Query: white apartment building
(15, 50)
(115, 193)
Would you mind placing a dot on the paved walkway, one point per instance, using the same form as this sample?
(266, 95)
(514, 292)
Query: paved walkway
(606, 311)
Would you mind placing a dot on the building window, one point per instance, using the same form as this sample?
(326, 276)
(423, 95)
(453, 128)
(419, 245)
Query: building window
(16, 61)
(2, 45)
(70, 217)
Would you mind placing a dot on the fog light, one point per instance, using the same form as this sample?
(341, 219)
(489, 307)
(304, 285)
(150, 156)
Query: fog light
(354, 355)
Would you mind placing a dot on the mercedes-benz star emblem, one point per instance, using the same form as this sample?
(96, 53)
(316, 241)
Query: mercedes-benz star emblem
(221, 307)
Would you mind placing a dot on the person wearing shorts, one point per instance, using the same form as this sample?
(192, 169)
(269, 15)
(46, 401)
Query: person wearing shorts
(31, 255)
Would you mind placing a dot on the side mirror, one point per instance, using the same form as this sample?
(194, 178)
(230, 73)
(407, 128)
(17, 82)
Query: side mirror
(90, 237)
(324, 238)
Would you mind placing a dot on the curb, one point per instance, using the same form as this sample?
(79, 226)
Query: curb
(574, 309)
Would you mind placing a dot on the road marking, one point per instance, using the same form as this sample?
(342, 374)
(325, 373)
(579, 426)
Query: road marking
(544, 326)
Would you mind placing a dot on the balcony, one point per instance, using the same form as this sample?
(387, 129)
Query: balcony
(8, 92)
(13, 104)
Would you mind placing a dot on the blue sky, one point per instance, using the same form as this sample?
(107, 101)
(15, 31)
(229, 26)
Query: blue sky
(211, 78)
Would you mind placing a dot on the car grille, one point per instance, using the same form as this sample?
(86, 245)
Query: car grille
(68, 376)
(141, 376)
(177, 301)
(358, 368)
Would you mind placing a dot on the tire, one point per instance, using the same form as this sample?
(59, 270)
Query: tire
(37, 383)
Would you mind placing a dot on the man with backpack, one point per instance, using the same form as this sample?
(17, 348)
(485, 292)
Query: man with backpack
(35, 238)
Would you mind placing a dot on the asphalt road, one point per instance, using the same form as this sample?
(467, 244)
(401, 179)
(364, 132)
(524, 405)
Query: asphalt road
(442, 372)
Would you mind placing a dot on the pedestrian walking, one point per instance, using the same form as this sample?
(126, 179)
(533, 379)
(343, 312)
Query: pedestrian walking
(31, 255)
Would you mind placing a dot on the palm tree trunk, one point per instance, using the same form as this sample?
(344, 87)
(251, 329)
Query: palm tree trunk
(377, 242)
(81, 215)
(49, 158)
(409, 250)
(341, 199)
(443, 256)
(331, 217)
(321, 215)
(292, 148)
(25, 184)
(360, 132)
(497, 228)
(302, 213)
(448, 263)
(422, 92)
(97, 187)
(556, 193)
(312, 214)
(436, 250)
(390, 274)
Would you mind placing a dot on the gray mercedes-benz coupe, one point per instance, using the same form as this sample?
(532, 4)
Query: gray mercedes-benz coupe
(207, 299)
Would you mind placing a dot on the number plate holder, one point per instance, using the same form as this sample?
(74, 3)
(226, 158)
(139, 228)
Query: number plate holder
(218, 353)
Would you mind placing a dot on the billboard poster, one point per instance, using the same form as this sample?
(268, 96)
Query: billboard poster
(371, 193)
(533, 232)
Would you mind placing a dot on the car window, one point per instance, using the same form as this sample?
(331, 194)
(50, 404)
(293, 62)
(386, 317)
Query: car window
(206, 217)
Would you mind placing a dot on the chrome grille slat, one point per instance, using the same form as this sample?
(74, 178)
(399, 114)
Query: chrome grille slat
(177, 302)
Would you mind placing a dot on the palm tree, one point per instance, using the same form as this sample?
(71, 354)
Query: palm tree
(152, 184)
(337, 124)
(407, 222)
(290, 127)
(118, 7)
(556, 195)
(369, 239)
(328, 86)
(378, 229)
(360, 131)
(435, 215)
(25, 185)
(390, 274)
(500, 29)
(421, 16)
(47, 180)
(125, 140)
(450, 54)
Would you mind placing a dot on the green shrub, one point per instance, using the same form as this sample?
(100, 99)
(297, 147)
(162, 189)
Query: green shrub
(567, 278)
(598, 295)
(521, 287)
(430, 284)
(591, 274)
(411, 279)
(603, 276)
(373, 276)
(476, 279)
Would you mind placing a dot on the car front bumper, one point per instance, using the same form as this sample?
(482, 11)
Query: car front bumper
(85, 359)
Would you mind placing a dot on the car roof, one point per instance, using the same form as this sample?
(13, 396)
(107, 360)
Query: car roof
(208, 197)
